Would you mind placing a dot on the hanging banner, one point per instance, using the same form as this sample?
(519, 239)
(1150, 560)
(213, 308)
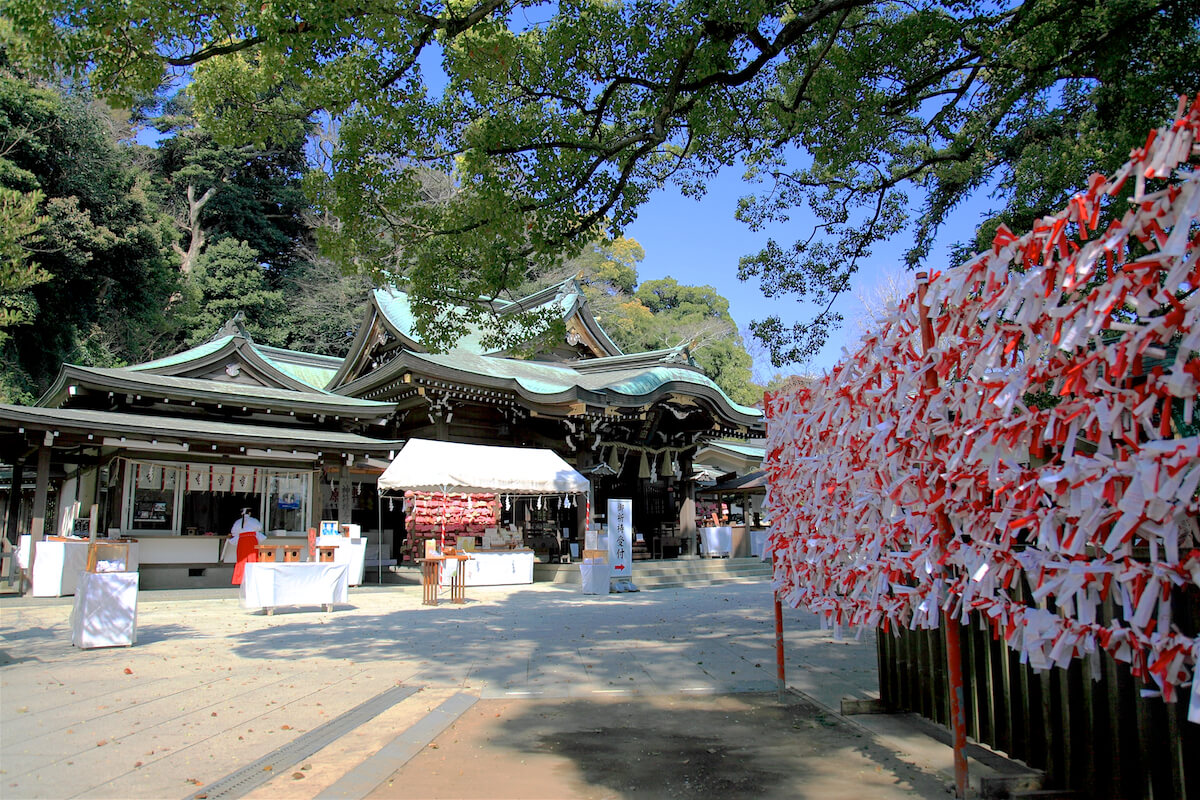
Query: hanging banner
(245, 480)
(620, 537)
(222, 478)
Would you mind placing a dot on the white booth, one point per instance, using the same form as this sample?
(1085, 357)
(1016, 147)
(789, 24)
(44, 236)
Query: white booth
(428, 466)
(58, 561)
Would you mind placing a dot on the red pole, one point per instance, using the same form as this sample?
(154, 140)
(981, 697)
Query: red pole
(780, 680)
(958, 719)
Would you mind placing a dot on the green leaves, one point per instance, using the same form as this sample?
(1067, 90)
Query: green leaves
(19, 222)
(551, 126)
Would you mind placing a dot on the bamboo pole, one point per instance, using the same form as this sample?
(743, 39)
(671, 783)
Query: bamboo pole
(958, 722)
(780, 680)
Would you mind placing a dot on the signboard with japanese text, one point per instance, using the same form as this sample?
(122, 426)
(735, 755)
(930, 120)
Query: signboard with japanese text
(620, 537)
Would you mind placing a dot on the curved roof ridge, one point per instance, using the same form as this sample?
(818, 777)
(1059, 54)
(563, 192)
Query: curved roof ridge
(678, 356)
(111, 376)
(558, 381)
(193, 353)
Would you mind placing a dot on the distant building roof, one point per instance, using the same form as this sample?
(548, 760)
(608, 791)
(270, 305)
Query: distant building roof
(88, 422)
(72, 378)
(747, 448)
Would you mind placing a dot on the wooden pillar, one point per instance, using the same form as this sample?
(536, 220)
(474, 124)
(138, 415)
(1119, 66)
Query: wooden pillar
(38, 528)
(345, 500)
(687, 507)
(41, 488)
(13, 510)
(586, 461)
(316, 500)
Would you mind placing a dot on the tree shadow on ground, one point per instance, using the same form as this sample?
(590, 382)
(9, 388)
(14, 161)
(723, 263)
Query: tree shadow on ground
(744, 745)
(550, 637)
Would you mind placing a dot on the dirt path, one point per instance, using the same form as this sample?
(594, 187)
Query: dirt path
(727, 746)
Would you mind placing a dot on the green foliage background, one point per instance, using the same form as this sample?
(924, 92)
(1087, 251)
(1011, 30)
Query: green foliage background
(95, 233)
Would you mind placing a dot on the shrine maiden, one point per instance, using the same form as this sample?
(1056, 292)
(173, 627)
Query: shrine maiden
(245, 534)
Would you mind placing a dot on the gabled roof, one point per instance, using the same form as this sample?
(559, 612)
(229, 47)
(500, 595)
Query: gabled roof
(564, 300)
(390, 316)
(266, 366)
(72, 379)
(557, 383)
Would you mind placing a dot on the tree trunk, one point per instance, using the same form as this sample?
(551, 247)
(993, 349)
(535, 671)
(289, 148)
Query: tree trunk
(196, 239)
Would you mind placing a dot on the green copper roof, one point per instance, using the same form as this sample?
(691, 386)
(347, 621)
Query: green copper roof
(308, 368)
(396, 306)
(197, 388)
(184, 356)
(560, 299)
(315, 370)
(541, 378)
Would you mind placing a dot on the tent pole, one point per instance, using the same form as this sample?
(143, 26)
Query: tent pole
(379, 516)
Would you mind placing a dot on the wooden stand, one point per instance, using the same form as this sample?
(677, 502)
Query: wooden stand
(268, 552)
(431, 574)
(112, 550)
(325, 553)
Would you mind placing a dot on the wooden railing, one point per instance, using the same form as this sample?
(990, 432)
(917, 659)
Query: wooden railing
(1088, 727)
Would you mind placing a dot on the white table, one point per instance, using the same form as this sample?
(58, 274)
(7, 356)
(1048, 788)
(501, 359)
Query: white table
(305, 583)
(56, 567)
(105, 613)
(716, 541)
(493, 569)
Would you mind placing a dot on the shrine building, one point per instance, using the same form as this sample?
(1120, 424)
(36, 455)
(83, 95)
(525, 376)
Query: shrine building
(168, 451)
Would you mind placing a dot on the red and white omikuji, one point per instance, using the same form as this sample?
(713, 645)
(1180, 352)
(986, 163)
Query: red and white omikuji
(1055, 439)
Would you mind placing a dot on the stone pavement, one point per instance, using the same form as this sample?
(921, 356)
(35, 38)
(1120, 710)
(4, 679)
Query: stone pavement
(214, 691)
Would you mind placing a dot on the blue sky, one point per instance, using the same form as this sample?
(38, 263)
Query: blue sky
(699, 242)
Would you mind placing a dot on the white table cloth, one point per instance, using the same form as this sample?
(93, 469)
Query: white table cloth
(56, 567)
(105, 613)
(595, 578)
(493, 569)
(716, 541)
(268, 585)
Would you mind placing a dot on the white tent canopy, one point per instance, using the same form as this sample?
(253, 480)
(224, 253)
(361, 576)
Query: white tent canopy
(428, 466)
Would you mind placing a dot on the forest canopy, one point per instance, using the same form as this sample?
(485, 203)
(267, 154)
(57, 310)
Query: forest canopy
(114, 252)
(472, 146)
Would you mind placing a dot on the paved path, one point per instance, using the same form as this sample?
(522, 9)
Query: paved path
(211, 688)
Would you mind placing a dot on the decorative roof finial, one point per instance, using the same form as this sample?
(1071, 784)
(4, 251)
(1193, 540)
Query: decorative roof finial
(233, 327)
